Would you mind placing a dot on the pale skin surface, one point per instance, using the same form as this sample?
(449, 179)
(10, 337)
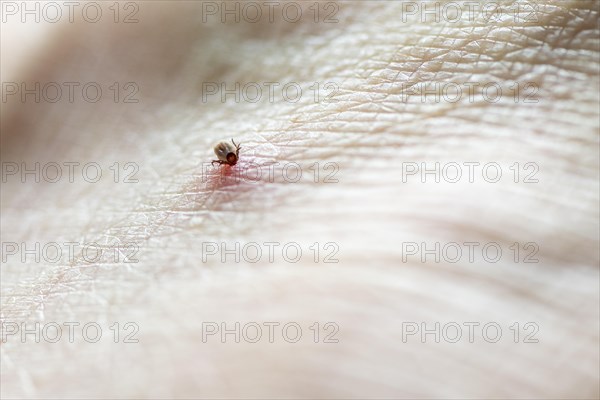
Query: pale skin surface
(368, 132)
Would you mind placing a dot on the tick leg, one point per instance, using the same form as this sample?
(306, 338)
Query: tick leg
(237, 148)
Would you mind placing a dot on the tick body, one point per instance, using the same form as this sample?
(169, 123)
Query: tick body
(227, 153)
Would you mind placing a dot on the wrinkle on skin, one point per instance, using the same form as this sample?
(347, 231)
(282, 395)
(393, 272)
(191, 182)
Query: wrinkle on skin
(368, 132)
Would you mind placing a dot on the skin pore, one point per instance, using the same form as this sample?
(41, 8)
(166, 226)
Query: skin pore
(368, 121)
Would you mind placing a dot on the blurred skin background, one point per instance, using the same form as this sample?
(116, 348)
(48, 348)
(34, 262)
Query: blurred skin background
(167, 57)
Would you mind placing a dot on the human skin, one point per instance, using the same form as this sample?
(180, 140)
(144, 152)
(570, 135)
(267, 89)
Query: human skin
(369, 131)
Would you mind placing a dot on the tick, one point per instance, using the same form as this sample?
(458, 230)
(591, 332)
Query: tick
(227, 153)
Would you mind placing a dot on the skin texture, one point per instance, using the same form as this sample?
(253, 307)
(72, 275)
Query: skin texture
(369, 130)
